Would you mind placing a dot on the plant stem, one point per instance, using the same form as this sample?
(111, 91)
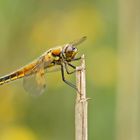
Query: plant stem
(81, 129)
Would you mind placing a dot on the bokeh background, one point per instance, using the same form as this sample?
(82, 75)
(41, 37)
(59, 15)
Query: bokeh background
(112, 50)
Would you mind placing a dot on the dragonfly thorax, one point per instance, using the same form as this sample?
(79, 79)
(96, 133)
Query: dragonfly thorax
(69, 52)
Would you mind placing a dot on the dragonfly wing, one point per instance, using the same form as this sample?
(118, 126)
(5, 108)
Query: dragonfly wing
(53, 69)
(34, 81)
(78, 41)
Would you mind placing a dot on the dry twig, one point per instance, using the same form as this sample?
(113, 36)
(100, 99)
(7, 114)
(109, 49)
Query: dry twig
(81, 129)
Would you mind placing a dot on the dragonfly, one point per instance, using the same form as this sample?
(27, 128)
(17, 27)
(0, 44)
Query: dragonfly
(33, 74)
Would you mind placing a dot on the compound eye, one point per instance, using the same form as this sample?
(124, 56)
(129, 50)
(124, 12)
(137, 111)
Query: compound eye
(73, 48)
(69, 49)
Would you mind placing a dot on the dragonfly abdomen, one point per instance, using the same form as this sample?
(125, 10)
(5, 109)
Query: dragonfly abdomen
(17, 74)
(11, 77)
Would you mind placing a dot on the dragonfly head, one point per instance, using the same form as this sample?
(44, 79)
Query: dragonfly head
(69, 51)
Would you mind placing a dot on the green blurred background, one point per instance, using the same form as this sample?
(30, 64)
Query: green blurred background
(30, 27)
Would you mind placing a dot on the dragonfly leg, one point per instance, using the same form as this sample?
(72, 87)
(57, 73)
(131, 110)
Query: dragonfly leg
(74, 67)
(75, 59)
(63, 78)
(67, 70)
